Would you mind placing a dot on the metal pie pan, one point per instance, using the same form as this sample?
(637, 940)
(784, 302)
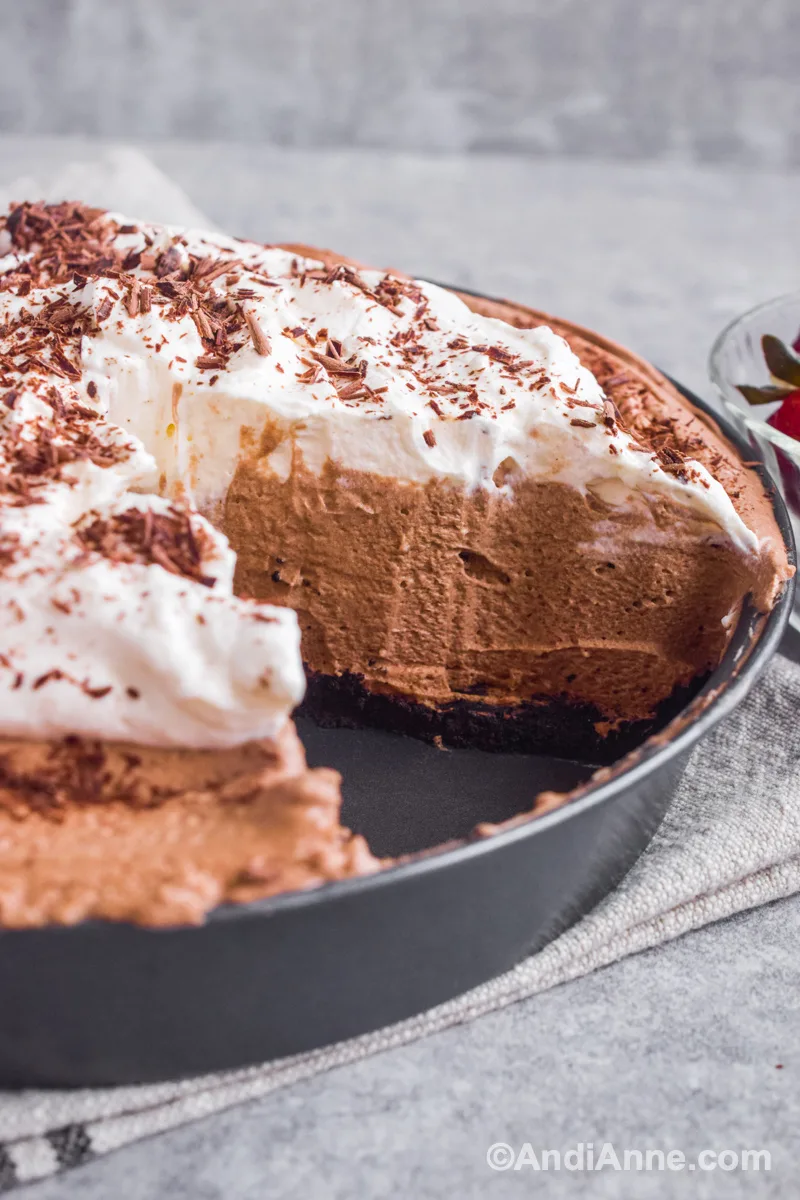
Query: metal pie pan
(105, 1003)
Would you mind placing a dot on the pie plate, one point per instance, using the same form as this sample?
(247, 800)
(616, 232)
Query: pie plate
(105, 1003)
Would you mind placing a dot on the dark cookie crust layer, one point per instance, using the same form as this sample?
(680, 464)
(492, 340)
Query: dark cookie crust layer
(552, 726)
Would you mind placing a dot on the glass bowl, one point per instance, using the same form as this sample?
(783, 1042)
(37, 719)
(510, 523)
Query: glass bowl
(737, 358)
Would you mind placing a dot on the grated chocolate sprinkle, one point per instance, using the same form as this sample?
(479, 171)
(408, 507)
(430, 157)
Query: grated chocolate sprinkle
(136, 536)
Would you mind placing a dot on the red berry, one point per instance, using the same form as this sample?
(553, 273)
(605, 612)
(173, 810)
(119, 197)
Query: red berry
(796, 344)
(786, 419)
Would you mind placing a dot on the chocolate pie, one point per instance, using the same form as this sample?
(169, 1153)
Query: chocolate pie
(232, 476)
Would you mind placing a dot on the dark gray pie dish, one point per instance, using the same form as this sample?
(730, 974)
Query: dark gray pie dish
(104, 1003)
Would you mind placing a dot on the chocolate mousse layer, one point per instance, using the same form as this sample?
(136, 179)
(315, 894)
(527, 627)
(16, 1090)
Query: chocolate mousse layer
(160, 837)
(546, 619)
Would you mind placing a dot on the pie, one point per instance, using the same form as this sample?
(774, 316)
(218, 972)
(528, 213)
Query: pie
(236, 478)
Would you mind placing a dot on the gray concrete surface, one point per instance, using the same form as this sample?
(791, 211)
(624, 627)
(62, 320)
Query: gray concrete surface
(677, 1048)
(701, 80)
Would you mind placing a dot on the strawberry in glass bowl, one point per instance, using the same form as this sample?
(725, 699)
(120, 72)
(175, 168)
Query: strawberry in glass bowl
(755, 366)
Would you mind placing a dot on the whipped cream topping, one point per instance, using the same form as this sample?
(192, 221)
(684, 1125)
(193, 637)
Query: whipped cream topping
(138, 364)
(394, 377)
(117, 614)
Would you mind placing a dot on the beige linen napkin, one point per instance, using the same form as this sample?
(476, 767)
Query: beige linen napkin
(730, 841)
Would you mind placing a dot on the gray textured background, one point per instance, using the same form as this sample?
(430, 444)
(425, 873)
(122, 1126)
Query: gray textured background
(695, 80)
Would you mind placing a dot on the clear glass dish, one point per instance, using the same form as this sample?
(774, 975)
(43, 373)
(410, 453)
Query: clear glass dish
(737, 358)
